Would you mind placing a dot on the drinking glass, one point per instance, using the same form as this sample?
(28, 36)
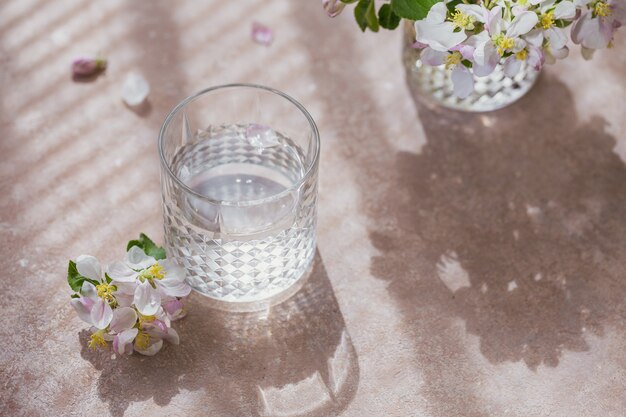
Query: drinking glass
(239, 169)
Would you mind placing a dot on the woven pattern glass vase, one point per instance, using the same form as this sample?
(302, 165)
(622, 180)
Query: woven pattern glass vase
(434, 85)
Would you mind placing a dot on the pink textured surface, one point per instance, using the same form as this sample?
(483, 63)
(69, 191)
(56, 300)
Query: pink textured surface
(468, 264)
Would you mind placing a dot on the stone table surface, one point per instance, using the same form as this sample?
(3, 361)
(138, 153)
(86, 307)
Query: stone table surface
(468, 264)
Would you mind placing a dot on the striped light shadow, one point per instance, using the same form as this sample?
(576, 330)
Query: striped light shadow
(12, 13)
(229, 23)
(72, 157)
(81, 202)
(41, 54)
(140, 215)
(51, 80)
(40, 22)
(92, 218)
(72, 113)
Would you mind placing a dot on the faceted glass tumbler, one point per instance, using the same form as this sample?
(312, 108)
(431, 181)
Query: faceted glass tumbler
(239, 185)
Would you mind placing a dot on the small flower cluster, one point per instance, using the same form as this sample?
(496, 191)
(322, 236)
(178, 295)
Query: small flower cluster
(472, 37)
(134, 302)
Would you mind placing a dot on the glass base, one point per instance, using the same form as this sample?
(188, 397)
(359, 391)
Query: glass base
(490, 93)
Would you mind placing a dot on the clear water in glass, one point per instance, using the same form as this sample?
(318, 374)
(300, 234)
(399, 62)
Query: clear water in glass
(247, 234)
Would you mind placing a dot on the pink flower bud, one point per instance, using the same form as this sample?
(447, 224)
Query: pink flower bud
(333, 7)
(85, 67)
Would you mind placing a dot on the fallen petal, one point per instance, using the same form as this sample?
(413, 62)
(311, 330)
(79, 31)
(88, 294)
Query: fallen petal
(262, 34)
(135, 90)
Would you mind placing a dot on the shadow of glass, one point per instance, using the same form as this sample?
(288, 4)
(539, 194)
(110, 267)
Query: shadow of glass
(293, 359)
(513, 221)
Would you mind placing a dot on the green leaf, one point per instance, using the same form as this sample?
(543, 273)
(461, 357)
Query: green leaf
(75, 296)
(349, 1)
(365, 15)
(74, 279)
(371, 18)
(107, 278)
(388, 19)
(148, 246)
(359, 13)
(412, 9)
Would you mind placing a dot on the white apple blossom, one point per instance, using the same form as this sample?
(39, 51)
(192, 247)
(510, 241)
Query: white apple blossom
(152, 279)
(474, 37)
(134, 303)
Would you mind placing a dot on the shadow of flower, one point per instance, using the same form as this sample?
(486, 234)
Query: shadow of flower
(513, 221)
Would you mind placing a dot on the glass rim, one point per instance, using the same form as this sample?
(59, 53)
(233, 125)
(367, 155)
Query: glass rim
(290, 189)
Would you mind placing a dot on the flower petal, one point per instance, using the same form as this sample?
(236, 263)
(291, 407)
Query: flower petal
(172, 336)
(534, 37)
(587, 53)
(136, 258)
(431, 57)
(123, 342)
(522, 24)
(591, 32)
(125, 288)
(560, 53)
(557, 37)
(333, 7)
(123, 319)
(88, 290)
(437, 13)
(173, 271)
(463, 81)
(494, 21)
(147, 299)
(174, 309)
(512, 66)
(152, 349)
(473, 10)
(83, 308)
(486, 59)
(174, 289)
(439, 36)
(261, 34)
(535, 58)
(565, 10)
(88, 266)
(101, 314)
(160, 333)
(121, 272)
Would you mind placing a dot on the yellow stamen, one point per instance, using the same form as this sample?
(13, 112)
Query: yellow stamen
(503, 43)
(142, 341)
(521, 55)
(105, 291)
(547, 20)
(156, 271)
(602, 9)
(145, 319)
(522, 2)
(453, 59)
(463, 20)
(97, 339)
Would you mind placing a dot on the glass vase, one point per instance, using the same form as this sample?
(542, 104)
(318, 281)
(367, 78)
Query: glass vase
(433, 85)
